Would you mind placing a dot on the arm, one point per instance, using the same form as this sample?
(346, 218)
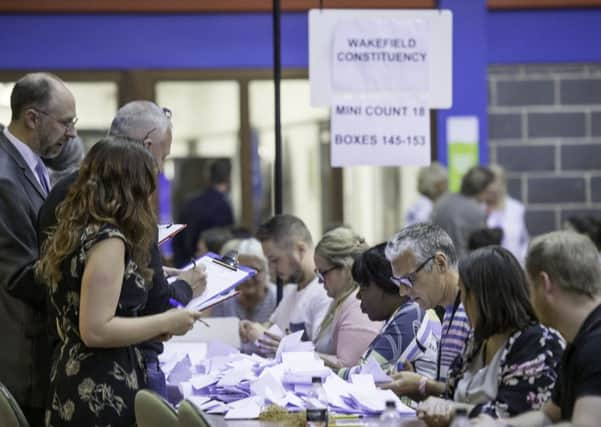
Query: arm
(19, 247)
(100, 290)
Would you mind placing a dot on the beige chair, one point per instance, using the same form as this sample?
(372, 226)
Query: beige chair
(10, 413)
(189, 415)
(154, 411)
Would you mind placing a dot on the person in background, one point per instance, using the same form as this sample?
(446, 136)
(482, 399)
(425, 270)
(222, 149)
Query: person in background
(288, 246)
(345, 332)
(424, 266)
(510, 364)
(207, 210)
(212, 240)
(485, 237)
(460, 214)
(432, 182)
(383, 301)
(105, 220)
(42, 122)
(67, 161)
(587, 225)
(508, 214)
(257, 298)
(565, 289)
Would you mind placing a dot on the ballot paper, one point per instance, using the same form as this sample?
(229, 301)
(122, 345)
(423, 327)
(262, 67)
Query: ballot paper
(373, 368)
(167, 231)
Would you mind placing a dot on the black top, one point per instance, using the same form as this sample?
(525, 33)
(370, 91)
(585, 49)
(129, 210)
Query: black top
(579, 369)
(207, 210)
(159, 294)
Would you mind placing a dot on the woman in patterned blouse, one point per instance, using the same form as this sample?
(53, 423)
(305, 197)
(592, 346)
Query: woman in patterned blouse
(510, 363)
(96, 266)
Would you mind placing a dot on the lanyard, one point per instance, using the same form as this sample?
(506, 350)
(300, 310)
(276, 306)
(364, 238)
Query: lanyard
(439, 358)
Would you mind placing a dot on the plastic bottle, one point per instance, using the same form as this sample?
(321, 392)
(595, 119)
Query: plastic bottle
(460, 419)
(390, 416)
(317, 409)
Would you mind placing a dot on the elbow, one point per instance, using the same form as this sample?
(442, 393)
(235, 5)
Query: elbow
(92, 337)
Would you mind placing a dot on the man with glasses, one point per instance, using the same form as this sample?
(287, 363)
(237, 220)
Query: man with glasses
(141, 122)
(43, 120)
(424, 263)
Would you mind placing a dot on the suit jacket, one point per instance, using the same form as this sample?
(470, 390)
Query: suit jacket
(24, 358)
(161, 291)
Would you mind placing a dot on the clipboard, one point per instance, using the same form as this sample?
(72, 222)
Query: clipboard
(167, 231)
(217, 300)
(222, 279)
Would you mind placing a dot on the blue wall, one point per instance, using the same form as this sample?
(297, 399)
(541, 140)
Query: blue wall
(93, 42)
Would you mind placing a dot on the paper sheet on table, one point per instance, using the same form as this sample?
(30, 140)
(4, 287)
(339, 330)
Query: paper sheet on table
(374, 369)
(364, 382)
(245, 409)
(291, 343)
(268, 386)
(167, 231)
(220, 280)
(198, 401)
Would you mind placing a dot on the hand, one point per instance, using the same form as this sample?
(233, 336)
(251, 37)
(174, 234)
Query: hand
(436, 412)
(163, 337)
(250, 331)
(195, 277)
(404, 384)
(180, 320)
(269, 342)
(170, 271)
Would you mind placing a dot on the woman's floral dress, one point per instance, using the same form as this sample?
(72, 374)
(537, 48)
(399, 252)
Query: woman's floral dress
(93, 386)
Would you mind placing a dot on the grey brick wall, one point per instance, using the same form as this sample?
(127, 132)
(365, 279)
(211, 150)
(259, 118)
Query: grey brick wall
(545, 129)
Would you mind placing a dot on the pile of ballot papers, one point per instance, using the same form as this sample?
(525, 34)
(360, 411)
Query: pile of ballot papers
(219, 379)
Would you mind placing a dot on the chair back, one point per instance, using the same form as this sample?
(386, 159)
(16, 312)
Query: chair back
(188, 415)
(10, 412)
(154, 411)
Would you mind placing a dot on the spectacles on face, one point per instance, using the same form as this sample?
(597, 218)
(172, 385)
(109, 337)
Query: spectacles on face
(67, 124)
(408, 280)
(167, 112)
(321, 275)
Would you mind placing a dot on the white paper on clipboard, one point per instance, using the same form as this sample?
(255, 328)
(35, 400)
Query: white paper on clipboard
(220, 280)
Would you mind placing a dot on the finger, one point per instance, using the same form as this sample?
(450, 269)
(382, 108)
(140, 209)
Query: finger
(272, 336)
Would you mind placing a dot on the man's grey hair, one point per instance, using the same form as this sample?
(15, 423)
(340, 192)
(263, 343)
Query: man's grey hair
(137, 119)
(429, 177)
(423, 239)
(570, 259)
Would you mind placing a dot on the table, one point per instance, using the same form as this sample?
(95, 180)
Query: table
(218, 421)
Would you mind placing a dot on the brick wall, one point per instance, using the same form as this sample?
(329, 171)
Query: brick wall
(545, 129)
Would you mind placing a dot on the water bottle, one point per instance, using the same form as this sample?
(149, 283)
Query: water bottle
(460, 418)
(390, 417)
(317, 409)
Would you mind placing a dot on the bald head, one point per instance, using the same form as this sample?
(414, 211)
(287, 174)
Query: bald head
(145, 122)
(36, 90)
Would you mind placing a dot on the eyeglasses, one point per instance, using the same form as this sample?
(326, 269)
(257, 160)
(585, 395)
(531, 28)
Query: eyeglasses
(67, 124)
(321, 275)
(408, 280)
(167, 112)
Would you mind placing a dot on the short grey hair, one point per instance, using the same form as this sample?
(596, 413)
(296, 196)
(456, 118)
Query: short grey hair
(570, 259)
(135, 119)
(429, 177)
(423, 239)
(341, 246)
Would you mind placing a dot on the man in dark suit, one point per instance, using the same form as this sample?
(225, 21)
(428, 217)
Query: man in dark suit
(207, 210)
(43, 120)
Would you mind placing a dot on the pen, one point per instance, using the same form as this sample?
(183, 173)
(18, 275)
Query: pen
(177, 304)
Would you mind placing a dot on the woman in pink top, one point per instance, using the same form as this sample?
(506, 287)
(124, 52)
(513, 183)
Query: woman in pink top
(345, 332)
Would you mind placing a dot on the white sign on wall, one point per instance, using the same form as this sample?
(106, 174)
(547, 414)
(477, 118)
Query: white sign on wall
(378, 130)
(408, 52)
(377, 54)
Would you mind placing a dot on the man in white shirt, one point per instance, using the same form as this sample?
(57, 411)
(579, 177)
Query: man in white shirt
(288, 246)
(43, 120)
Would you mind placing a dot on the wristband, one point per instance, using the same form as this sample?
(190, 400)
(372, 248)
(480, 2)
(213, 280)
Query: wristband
(422, 386)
